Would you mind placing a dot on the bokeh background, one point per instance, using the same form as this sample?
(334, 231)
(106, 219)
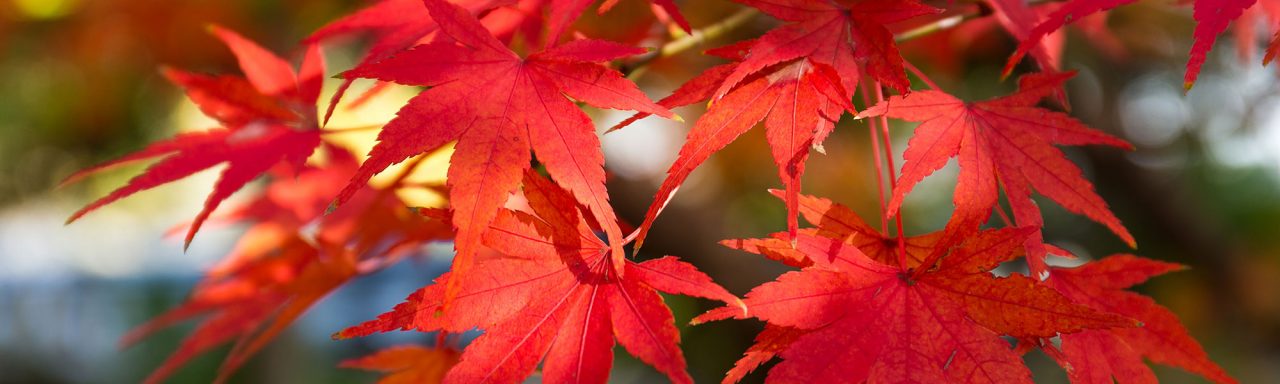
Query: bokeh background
(80, 85)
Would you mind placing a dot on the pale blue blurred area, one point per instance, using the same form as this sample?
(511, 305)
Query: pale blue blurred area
(69, 292)
(67, 329)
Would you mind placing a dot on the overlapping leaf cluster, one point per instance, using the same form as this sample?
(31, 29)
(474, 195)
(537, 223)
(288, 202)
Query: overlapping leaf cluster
(540, 266)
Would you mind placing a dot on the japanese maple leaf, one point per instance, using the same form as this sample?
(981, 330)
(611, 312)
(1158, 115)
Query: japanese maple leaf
(849, 36)
(290, 258)
(799, 105)
(1099, 356)
(1004, 142)
(1212, 18)
(838, 222)
(268, 118)
(795, 78)
(498, 106)
(853, 319)
(407, 364)
(396, 25)
(554, 295)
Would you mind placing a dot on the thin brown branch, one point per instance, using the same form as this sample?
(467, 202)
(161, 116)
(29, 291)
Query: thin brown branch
(697, 38)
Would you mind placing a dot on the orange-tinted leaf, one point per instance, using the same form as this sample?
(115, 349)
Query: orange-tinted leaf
(778, 249)
(837, 222)
(407, 364)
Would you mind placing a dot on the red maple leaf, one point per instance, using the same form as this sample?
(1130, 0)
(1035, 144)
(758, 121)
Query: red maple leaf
(554, 294)
(407, 364)
(498, 106)
(838, 222)
(1004, 142)
(268, 118)
(1212, 18)
(1096, 356)
(397, 25)
(848, 318)
(848, 36)
(796, 79)
(799, 105)
(278, 269)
